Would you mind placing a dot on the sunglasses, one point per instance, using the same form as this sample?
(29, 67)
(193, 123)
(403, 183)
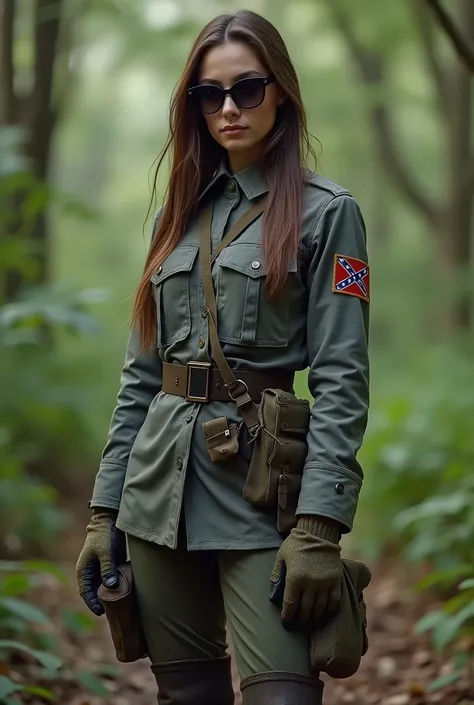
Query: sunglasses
(247, 93)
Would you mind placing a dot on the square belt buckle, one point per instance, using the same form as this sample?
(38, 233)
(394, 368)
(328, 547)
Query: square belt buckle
(197, 382)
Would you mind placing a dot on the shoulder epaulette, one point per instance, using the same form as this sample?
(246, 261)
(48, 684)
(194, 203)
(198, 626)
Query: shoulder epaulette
(318, 181)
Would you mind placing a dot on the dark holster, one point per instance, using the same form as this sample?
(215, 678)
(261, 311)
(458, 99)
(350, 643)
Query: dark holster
(121, 610)
(281, 688)
(197, 682)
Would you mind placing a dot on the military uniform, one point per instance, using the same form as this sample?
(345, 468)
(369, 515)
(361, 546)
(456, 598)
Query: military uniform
(155, 468)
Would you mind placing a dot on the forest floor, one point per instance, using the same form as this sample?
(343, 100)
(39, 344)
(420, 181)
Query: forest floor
(397, 669)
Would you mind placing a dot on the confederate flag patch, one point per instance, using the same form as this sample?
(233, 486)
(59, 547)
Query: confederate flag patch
(351, 276)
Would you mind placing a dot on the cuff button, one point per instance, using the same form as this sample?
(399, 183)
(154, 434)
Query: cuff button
(339, 488)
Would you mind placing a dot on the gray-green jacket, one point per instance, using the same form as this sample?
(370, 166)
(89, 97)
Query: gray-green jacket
(155, 463)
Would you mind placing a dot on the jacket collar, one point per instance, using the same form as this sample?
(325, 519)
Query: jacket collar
(251, 180)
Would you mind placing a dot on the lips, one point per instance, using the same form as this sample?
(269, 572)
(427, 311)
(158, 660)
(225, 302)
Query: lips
(233, 128)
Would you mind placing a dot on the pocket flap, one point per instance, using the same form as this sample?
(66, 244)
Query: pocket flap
(181, 259)
(247, 259)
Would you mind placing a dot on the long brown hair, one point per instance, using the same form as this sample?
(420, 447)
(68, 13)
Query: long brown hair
(196, 156)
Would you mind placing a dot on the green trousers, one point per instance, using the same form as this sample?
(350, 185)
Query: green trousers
(186, 598)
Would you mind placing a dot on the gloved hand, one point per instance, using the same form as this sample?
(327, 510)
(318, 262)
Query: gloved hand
(104, 549)
(310, 558)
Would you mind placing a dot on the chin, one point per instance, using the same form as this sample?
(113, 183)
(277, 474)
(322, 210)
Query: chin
(237, 145)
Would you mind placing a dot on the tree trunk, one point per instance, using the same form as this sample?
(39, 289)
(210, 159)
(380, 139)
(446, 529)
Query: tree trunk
(449, 217)
(35, 113)
(459, 214)
(463, 44)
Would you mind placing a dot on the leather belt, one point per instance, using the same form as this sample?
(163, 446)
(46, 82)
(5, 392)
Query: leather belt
(200, 382)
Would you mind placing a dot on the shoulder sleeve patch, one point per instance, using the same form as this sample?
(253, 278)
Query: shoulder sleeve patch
(351, 276)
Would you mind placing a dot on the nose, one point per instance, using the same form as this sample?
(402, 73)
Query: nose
(229, 108)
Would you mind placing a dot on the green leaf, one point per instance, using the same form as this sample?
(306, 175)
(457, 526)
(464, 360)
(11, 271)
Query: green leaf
(448, 631)
(443, 681)
(443, 578)
(461, 659)
(467, 584)
(7, 687)
(37, 566)
(24, 610)
(429, 621)
(41, 692)
(49, 661)
(77, 622)
(456, 603)
(15, 584)
(47, 567)
(433, 507)
(108, 670)
(92, 684)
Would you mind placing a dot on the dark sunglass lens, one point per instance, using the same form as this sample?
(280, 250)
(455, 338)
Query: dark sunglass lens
(210, 98)
(249, 93)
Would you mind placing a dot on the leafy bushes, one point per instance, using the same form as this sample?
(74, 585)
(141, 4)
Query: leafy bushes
(41, 413)
(419, 491)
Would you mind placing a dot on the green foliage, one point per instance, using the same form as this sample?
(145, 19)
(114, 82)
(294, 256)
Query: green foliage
(41, 410)
(19, 624)
(419, 493)
(418, 459)
(29, 634)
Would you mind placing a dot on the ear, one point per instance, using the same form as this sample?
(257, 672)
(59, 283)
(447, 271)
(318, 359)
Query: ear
(281, 95)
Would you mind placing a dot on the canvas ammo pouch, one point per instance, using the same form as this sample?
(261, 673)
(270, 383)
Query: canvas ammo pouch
(278, 428)
(279, 452)
(121, 610)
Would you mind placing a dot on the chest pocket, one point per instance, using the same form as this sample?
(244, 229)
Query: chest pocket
(172, 291)
(245, 315)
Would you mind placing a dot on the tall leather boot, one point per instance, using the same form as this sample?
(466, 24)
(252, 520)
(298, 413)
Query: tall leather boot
(198, 682)
(281, 688)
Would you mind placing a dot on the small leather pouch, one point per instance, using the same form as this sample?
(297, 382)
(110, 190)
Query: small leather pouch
(121, 610)
(340, 640)
(222, 440)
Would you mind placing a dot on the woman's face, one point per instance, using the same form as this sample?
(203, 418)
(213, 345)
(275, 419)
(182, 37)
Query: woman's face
(222, 66)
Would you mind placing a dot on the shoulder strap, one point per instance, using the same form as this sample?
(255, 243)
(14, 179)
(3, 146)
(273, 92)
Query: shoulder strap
(236, 388)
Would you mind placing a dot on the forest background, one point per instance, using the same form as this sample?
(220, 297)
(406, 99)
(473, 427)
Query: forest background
(84, 96)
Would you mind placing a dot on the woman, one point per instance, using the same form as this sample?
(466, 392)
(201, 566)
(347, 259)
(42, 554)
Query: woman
(292, 292)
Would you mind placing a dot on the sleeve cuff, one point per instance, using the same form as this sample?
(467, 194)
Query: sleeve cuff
(109, 484)
(104, 502)
(330, 491)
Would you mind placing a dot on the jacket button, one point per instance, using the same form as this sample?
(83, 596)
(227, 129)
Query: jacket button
(256, 264)
(204, 313)
(202, 342)
(340, 488)
(179, 464)
(231, 186)
(160, 269)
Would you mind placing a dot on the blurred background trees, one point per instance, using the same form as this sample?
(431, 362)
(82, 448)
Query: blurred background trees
(84, 94)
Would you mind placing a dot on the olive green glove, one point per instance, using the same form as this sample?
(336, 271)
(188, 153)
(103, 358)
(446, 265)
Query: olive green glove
(310, 561)
(104, 549)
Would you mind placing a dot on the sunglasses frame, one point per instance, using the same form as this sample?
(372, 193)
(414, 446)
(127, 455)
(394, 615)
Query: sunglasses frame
(265, 81)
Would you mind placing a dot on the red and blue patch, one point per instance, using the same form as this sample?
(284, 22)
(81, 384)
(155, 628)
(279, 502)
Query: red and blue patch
(352, 277)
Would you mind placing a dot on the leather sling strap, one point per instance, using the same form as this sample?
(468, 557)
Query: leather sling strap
(237, 389)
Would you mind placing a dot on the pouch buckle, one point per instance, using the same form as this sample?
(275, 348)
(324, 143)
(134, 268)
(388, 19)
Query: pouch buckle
(197, 381)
